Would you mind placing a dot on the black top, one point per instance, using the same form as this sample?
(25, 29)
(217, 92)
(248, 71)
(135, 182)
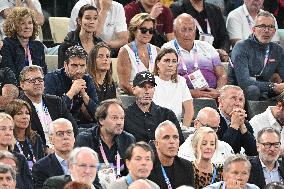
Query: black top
(143, 125)
(179, 173)
(105, 91)
(7, 76)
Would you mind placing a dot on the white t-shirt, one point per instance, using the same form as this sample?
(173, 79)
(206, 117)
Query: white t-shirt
(239, 24)
(115, 20)
(171, 95)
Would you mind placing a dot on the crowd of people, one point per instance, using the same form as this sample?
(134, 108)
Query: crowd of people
(67, 128)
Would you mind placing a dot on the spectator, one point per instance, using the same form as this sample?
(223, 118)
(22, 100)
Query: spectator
(204, 143)
(169, 170)
(77, 185)
(16, 160)
(62, 137)
(82, 165)
(6, 7)
(8, 177)
(171, 91)
(140, 183)
(206, 117)
(236, 174)
(108, 139)
(138, 55)
(74, 86)
(209, 22)
(45, 108)
(99, 66)
(143, 116)
(158, 11)
(265, 164)
(7, 76)
(256, 59)
(112, 27)
(197, 59)
(20, 48)
(84, 35)
(9, 93)
(272, 117)
(240, 22)
(139, 161)
(28, 142)
(234, 128)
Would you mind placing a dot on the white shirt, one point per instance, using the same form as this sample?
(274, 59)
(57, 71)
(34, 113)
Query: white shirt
(238, 25)
(223, 151)
(171, 95)
(266, 119)
(115, 21)
(4, 4)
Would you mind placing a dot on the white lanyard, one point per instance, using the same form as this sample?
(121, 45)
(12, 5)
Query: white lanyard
(199, 27)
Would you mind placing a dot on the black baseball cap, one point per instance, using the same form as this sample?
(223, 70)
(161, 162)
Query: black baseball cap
(142, 77)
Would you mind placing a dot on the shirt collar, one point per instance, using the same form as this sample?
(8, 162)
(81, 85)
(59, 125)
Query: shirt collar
(271, 119)
(264, 166)
(246, 10)
(60, 159)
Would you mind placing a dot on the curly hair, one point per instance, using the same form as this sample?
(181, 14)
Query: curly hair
(137, 21)
(12, 23)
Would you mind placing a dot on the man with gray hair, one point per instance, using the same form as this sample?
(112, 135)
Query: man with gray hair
(206, 117)
(205, 74)
(170, 171)
(62, 138)
(82, 163)
(7, 177)
(236, 172)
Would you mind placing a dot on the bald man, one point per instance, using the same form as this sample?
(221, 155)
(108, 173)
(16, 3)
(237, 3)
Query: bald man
(140, 184)
(206, 117)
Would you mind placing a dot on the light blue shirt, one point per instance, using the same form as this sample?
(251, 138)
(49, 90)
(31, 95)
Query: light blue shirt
(273, 175)
(222, 185)
(63, 164)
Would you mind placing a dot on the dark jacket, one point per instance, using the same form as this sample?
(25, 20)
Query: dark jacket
(47, 167)
(71, 39)
(236, 139)
(13, 55)
(58, 83)
(24, 176)
(90, 138)
(56, 108)
(182, 173)
(214, 16)
(7, 76)
(256, 173)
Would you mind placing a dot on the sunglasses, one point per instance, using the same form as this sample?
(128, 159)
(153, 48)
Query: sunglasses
(144, 30)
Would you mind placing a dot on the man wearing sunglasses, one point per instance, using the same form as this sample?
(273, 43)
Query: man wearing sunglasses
(256, 59)
(206, 117)
(265, 167)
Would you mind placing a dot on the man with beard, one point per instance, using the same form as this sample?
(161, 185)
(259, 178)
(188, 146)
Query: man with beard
(234, 128)
(45, 108)
(265, 168)
(170, 171)
(74, 86)
(108, 139)
(139, 161)
(143, 116)
(62, 138)
(272, 117)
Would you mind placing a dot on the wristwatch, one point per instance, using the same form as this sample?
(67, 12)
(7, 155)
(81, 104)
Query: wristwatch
(271, 87)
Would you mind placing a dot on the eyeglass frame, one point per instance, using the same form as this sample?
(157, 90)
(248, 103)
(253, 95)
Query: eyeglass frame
(34, 80)
(270, 144)
(62, 133)
(263, 27)
(215, 129)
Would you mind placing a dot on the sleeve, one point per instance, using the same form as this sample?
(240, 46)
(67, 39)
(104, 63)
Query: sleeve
(248, 141)
(176, 9)
(67, 115)
(240, 58)
(120, 25)
(93, 102)
(280, 67)
(234, 26)
(172, 117)
(39, 175)
(50, 84)
(83, 140)
(73, 16)
(231, 137)
(168, 20)
(130, 11)
(4, 5)
(39, 148)
(9, 77)
(186, 95)
(38, 6)
(24, 171)
(8, 57)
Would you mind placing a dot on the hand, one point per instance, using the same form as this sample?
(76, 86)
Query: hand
(18, 3)
(238, 116)
(213, 92)
(156, 10)
(105, 4)
(77, 86)
(233, 184)
(223, 55)
(278, 88)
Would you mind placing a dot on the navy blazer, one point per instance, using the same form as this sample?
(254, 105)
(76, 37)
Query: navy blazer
(56, 108)
(46, 167)
(256, 173)
(236, 139)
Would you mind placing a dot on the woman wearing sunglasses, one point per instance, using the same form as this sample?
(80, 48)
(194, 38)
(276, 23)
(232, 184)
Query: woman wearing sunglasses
(138, 55)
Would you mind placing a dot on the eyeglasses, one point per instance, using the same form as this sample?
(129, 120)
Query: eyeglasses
(61, 133)
(206, 125)
(85, 166)
(144, 30)
(34, 80)
(268, 145)
(263, 27)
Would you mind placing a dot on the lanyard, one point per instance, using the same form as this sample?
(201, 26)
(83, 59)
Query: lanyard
(265, 60)
(30, 149)
(106, 161)
(167, 180)
(214, 174)
(138, 61)
(129, 179)
(28, 59)
(46, 117)
(199, 27)
(249, 22)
